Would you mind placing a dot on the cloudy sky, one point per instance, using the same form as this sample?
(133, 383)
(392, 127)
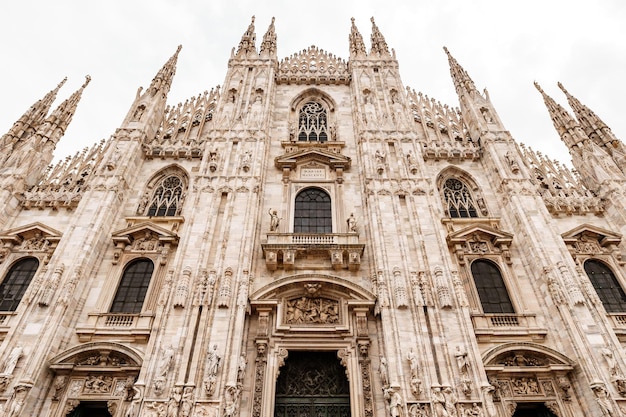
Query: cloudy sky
(504, 45)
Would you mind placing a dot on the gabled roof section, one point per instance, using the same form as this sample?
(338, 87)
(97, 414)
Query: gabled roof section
(322, 156)
(143, 229)
(30, 231)
(496, 236)
(603, 236)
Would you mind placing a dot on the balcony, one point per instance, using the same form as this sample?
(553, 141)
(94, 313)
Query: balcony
(494, 327)
(116, 326)
(284, 249)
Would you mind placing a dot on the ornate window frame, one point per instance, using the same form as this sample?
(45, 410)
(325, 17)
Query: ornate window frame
(300, 103)
(587, 242)
(148, 197)
(143, 240)
(483, 239)
(472, 187)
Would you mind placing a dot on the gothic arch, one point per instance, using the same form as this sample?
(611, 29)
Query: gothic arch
(312, 94)
(475, 196)
(149, 200)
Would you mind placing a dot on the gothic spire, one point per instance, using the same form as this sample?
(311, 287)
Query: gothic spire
(248, 41)
(163, 79)
(268, 46)
(357, 46)
(33, 117)
(462, 81)
(61, 117)
(379, 45)
(593, 126)
(563, 122)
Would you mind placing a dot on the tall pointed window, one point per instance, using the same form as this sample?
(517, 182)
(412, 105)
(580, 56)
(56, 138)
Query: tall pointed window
(459, 199)
(133, 287)
(606, 285)
(313, 212)
(167, 197)
(492, 292)
(16, 282)
(313, 123)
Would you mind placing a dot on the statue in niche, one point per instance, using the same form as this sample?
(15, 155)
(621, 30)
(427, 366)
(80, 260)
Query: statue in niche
(510, 159)
(213, 361)
(11, 362)
(603, 400)
(450, 401)
(395, 402)
(241, 367)
(231, 399)
(274, 220)
(149, 241)
(610, 361)
(439, 403)
(186, 403)
(351, 223)
(379, 156)
(167, 357)
(384, 372)
(174, 402)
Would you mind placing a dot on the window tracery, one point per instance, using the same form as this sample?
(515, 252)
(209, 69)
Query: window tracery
(313, 123)
(167, 197)
(459, 199)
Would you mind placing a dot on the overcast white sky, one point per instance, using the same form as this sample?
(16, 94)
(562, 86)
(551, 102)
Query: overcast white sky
(504, 45)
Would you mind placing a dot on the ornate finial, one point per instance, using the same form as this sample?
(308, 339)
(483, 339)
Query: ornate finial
(379, 45)
(268, 46)
(357, 46)
(87, 80)
(538, 87)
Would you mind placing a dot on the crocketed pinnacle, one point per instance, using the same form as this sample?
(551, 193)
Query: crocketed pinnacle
(162, 81)
(268, 46)
(563, 122)
(462, 81)
(379, 45)
(588, 120)
(357, 46)
(62, 115)
(248, 40)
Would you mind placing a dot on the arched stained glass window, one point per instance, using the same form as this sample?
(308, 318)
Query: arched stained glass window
(459, 199)
(606, 285)
(133, 287)
(313, 212)
(16, 282)
(494, 298)
(312, 123)
(167, 197)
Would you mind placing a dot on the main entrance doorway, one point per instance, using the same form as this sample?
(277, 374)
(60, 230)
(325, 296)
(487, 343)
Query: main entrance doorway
(91, 409)
(532, 410)
(312, 384)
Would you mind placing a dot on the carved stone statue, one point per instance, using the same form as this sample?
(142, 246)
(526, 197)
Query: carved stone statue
(384, 372)
(231, 401)
(11, 362)
(167, 356)
(413, 364)
(213, 361)
(274, 220)
(395, 402)
(439, 403)
(351, 223)
(186, 403)
(241, 367)
(610, 361)
(603, 400)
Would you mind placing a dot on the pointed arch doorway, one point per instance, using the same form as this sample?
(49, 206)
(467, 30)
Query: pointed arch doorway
(312, 384)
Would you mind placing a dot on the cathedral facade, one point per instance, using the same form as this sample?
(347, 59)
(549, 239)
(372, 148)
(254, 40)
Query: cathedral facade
(312, 238)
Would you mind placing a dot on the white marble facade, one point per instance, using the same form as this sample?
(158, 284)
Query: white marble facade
(415, 197)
